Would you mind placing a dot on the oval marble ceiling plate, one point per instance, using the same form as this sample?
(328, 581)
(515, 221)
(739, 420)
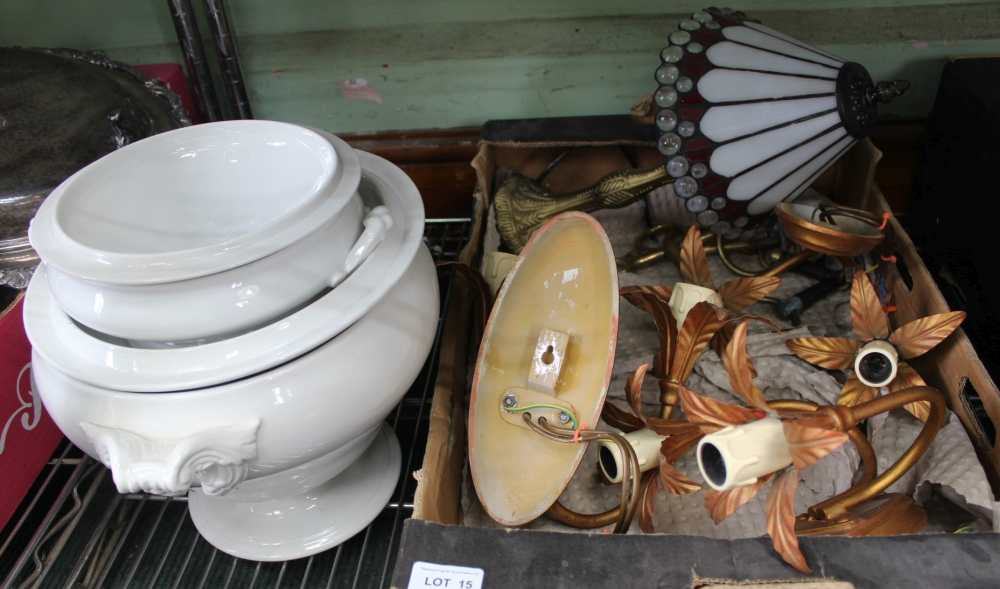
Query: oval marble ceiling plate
(564, 281)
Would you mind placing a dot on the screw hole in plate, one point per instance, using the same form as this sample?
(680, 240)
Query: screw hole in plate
(548, 357)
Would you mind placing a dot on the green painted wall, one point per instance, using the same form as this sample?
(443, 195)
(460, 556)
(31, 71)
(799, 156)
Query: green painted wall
(447, 63)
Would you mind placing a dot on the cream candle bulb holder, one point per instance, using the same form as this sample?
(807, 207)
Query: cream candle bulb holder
(877, 363)
(740, 454)
(646, 444)
(686, 295)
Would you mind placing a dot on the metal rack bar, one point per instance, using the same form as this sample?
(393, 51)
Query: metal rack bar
(305, 575)
(193, 50)
(95, 538)
(145, 545)
(208, 568)
(121, 541)
(281, 575)
(256, 572)
(187, 561)
(229, 576)
(48, 527)
(333, 569)
(34, 500)
(166, 553)
(229, 59)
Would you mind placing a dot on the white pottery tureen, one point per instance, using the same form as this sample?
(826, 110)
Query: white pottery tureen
(243, 221)
(277, 434)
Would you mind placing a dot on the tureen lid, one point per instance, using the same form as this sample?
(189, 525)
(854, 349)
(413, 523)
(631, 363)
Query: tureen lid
(549, 346)
(116, 365)
(194, 201)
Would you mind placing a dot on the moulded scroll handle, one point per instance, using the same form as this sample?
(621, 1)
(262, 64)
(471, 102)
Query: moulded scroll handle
(216, 459)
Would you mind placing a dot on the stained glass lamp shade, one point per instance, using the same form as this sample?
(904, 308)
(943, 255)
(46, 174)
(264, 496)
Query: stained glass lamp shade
(749, 117)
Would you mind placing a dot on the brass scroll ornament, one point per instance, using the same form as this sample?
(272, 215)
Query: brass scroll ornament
(523, 204)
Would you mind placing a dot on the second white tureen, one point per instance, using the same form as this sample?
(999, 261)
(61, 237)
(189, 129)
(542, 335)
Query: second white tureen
(206, 231)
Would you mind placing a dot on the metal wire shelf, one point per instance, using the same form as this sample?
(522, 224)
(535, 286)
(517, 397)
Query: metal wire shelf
(74, 530)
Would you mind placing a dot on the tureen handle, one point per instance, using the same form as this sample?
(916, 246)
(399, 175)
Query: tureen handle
(377, 224)
(217, 459)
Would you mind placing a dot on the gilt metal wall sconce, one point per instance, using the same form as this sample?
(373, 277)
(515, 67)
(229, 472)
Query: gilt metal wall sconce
(776, 439)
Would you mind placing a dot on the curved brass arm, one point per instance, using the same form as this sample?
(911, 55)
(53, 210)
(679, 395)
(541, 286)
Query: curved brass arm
(869, 464)
(522, 204)
(849, 417)
(583, 521)
(621, 515)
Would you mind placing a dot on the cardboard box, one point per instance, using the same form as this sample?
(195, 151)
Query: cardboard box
(517, 557)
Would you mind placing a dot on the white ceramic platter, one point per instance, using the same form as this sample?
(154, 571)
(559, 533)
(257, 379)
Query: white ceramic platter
(121, 367)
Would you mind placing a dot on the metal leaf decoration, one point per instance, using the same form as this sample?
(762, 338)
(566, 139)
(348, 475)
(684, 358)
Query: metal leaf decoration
(666, 327)
(670, 427)
(740, 369)
(907, 377)
(869, 320)
(639, 294)
(650, 488)
(920, 335)
(725, 333)
(701, 323)
(723, 337)
(826, 352)
(674, 446)
(694, 262)
(740, 293)
(674, 481)
(618, 418)
(722, 504)
(921, 410)
(781, 520)
(809, 444)
(633, 390)
(711, 415)
(855, 392)
(816, 419)
(655, 301)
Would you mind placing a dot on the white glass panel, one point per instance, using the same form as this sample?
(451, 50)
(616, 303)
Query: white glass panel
(765, 41)
(727, 54)
(731, 85)
(732, 158)
(752, 183)
(791, 39)
(722, 123)
(799, 181)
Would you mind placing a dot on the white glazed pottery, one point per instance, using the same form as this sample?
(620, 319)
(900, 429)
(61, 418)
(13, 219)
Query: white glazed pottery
(335, 511)
(115, 364)
(205, 231)
(278, 439)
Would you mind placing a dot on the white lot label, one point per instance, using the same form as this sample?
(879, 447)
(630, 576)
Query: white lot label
(426, 575)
